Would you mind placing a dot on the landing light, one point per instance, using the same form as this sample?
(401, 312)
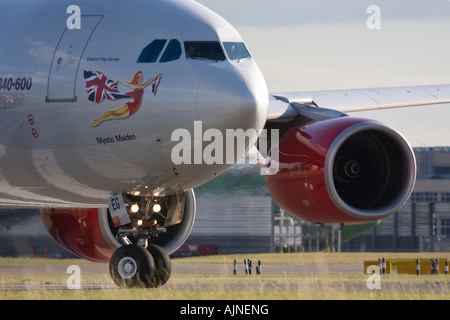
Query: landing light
(157, 208)
(135, 208)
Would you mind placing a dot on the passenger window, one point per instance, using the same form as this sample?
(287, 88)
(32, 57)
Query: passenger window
(204, 50)
(236, 50)
(173, 51)
(151, 52)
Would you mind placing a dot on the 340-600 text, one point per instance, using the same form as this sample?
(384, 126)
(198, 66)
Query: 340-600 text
(19, 84)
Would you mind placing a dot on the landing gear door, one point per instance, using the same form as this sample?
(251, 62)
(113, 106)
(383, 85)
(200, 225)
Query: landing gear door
(117, 210)
(176, 210)
(66, 60)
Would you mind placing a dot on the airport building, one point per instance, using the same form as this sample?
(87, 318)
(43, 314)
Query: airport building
(234, 212)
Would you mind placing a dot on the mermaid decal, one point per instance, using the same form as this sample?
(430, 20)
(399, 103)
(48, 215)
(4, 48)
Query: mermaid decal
(99, 87)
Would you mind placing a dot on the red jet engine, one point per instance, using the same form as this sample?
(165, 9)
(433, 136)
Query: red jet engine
(343, 170)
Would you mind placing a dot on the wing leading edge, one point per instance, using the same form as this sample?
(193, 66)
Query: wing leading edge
(285, 106)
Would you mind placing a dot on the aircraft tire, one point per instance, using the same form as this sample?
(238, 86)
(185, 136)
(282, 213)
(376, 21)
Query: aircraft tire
(132, 266)
(163, 265)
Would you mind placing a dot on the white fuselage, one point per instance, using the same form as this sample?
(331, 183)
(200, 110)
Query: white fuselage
(51, 154)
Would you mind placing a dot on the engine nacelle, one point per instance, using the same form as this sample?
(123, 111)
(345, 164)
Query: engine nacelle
(90, 233)
(342, 170)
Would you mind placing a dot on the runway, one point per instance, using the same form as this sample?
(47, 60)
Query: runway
(310, 280)
(177, 269)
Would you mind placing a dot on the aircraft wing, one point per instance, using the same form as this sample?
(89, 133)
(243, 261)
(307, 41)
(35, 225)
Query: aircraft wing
(284, 106)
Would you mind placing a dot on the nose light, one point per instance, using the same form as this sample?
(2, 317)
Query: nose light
(157, 208)
(135, 208)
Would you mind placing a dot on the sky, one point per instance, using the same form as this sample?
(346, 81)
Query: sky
(305, 45)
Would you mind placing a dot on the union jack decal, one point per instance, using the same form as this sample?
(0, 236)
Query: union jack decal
(99, 87)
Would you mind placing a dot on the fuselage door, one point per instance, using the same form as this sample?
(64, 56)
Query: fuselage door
(66, 60)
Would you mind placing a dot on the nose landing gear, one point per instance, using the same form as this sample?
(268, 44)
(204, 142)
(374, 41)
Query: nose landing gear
(144, 229)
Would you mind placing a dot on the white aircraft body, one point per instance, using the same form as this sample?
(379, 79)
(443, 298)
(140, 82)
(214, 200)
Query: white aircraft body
(97, 98)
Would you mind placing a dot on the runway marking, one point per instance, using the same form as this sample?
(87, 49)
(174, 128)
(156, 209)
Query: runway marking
(56, 287)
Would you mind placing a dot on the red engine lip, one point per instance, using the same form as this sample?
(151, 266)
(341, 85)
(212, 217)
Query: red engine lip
(392, 207)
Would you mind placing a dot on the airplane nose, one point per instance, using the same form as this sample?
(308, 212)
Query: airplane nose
(233, 96)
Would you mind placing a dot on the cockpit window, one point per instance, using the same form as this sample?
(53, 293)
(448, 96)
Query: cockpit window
(173, 51)
(151, 52)
(236, 50)
(204, 50)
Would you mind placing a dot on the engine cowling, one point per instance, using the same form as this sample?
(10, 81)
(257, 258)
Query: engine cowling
(90, 233)
(342, 170)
